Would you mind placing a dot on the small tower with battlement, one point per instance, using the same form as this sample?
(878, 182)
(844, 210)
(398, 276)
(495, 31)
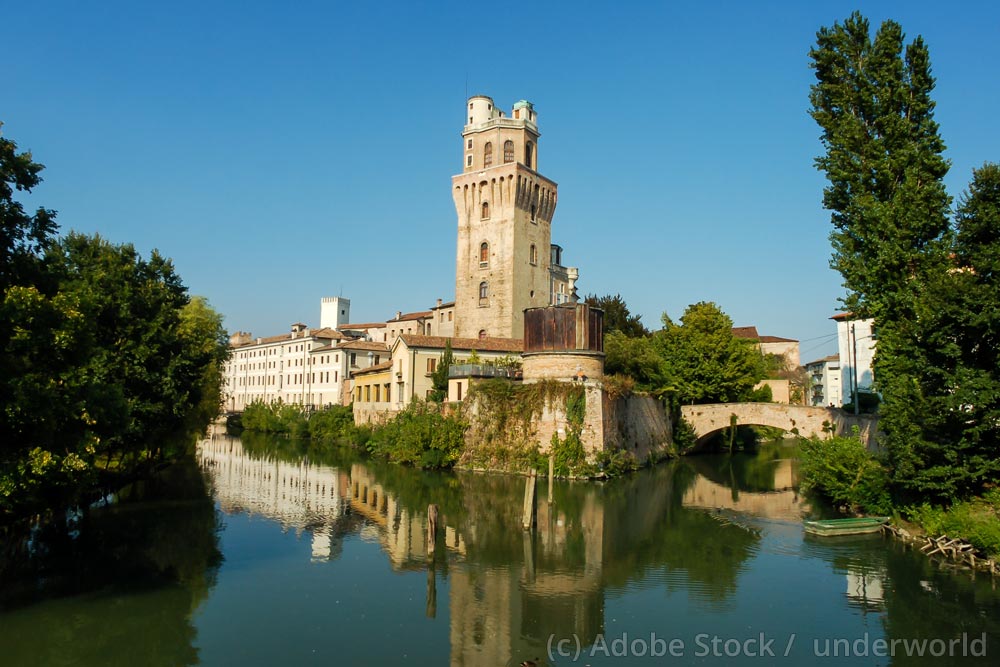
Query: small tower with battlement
(334, 312)
(505, 209)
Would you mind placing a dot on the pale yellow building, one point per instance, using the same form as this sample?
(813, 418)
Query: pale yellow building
(505, 257)
(415, 358)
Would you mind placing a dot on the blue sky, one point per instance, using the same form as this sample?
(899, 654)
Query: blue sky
(281, 152)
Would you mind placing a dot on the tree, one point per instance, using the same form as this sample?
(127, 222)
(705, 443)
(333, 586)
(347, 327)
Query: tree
(636, 358)
(107, 367)
(439, 378)
(23, 237)
(702, 361)
(891, 237)
(617, 316)
(884, 163)
(955, 449)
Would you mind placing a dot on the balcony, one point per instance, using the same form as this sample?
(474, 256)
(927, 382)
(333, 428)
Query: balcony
(483, 371)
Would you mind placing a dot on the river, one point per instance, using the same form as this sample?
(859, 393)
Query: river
(260, 553)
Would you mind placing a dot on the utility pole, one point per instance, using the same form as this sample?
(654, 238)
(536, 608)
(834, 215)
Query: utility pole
(854, 370)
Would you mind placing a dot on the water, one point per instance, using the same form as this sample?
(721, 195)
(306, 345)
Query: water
(262, 555)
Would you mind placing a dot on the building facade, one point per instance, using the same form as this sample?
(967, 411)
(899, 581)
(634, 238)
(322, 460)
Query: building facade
(856, 344)
(505, 207)
(825, 383)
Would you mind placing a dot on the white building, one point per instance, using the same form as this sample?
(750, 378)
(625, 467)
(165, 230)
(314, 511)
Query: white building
(856, 346)
(825, 383)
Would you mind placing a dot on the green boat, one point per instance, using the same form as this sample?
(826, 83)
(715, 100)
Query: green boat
(831, 527)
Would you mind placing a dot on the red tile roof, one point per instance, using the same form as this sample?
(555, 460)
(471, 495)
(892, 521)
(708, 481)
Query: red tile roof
(422, 315)
(363, 345)
(377, 368)
(776, 339)
(480, 344)
(746, 332)
(331, 334)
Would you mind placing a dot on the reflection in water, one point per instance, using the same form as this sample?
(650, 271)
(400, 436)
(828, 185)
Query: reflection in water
(331, 559)
(512, 588)
(124, 590)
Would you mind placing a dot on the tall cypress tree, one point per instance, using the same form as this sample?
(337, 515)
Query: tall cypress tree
(891, 236)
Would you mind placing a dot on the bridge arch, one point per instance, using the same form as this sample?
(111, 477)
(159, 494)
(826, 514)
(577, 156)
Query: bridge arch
(801, 420)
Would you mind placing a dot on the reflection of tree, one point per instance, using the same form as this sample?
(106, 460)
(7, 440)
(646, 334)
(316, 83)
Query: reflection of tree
(654, 532)
(746, 472)
(129, 582)
(923, 601)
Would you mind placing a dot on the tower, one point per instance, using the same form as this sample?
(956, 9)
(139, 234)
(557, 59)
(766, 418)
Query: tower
(334, 312)
(504, 209)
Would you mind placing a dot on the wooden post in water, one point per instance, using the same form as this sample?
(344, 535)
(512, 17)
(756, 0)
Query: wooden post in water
(529, 501)
(432, 527)
(552, 474)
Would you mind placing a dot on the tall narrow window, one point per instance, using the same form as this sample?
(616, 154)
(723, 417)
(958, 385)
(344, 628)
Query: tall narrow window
(488, 154)
(484, 292)
(529, 150)
(533, 254)
(484, 254)
(508, 151)
(486, 210)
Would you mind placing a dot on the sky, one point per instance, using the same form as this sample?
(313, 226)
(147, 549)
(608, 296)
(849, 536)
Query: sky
(281, 152)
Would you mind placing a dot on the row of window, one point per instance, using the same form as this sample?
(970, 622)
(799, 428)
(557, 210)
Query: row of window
(508, 153)
(292, 378)
(484, 212)
(273, 351)
(484, 254)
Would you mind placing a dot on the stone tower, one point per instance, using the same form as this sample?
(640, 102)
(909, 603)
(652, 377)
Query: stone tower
(505, 212)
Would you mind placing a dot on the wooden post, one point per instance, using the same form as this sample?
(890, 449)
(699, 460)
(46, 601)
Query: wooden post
(529, 501)
(552, 474)
(432, 524)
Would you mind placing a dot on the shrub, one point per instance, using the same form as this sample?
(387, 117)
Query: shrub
(976, 521)
(419, 436)
(334, 423)
(684, 436)
(844, 472)
(275, 417)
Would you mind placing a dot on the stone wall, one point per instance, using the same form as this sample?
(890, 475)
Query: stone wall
(373, 413)
(637, 424)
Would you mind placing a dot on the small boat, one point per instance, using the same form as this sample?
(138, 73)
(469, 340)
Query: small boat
(860, 526)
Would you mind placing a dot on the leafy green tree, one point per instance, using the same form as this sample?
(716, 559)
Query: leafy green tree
(636, 358)
(702, 361)
(953, 447)
(617, 316)
(23, 236)
(891, 237)
(107, 366)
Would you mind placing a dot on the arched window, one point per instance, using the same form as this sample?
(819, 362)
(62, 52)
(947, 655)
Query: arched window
(488, 154)
(528, 154)
(533, 254)
(484, 254)
(486, 210)
(508, 151)
(484, 291)
(482, 334)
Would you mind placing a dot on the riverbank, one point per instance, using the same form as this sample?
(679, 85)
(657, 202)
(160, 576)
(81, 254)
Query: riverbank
(499, 436)
(849, 476)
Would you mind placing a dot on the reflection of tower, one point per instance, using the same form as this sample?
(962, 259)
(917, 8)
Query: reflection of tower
(505, 210)
(864, 588)
(502, 615)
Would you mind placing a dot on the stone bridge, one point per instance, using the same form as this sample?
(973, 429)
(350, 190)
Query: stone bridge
(797, 419)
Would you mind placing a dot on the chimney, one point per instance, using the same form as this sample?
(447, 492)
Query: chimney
(439, 303)
(399, 314)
